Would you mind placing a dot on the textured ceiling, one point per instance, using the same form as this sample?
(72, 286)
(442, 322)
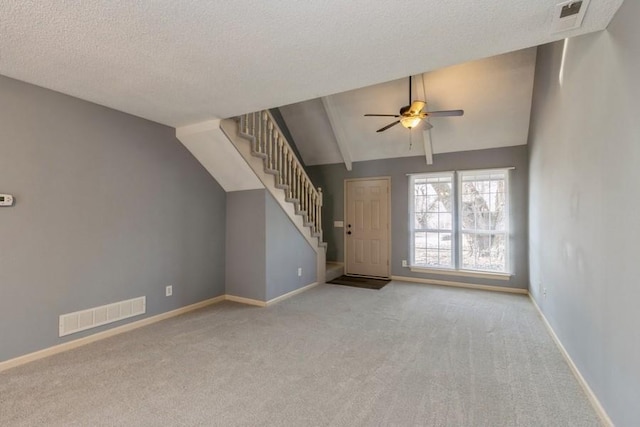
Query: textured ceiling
(180, 62)
(495, 94)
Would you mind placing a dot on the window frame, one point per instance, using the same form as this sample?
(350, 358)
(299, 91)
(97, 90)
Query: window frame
(457, 230)
(507, 232)
(412, 229)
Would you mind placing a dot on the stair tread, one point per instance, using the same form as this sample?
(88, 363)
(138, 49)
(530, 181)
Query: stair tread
(278, 177)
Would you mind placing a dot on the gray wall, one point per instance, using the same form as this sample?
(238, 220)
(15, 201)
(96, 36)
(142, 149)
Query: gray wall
(109, 207)
(246, 242)
(287, 250)
(331, 179)
(264, 248)
(584, 228)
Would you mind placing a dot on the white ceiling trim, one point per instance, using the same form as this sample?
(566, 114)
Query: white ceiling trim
(338, 130)
(428, 150)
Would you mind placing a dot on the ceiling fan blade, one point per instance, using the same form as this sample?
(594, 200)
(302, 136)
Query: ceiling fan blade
(416, 107)
(381, 115)
(388, 126)
(446, 113)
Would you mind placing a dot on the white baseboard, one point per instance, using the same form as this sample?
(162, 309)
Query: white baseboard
(258, 303)
(461, 285)
(243, 300)
(597, 406)
(50, 351)
(292, 293)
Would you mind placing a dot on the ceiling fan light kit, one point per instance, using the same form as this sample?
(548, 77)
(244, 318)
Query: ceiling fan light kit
(410, 122)
(411, 115)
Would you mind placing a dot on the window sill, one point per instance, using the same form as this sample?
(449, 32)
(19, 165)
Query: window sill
(461, 273)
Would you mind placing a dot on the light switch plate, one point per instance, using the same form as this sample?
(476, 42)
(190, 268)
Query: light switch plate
(338, 224)
(6, 200)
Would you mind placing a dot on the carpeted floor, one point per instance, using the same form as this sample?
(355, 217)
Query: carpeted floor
(407, 355)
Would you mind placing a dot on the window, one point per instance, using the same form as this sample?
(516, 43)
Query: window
(432, 218)
(460, 220)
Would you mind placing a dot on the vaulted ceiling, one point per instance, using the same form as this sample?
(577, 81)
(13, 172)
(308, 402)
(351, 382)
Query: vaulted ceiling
(495, 94)
(182, 62)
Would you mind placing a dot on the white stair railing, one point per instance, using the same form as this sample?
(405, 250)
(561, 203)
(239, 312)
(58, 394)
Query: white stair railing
(269, 143)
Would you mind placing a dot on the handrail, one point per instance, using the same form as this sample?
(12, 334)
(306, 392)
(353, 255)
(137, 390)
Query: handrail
(270, 143)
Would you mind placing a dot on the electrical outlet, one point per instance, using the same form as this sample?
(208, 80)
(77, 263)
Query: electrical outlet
(299, 271)
(404, 263)
(168, 291)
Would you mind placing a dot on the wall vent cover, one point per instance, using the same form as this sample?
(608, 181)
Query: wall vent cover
(71, 323)
(568, 15)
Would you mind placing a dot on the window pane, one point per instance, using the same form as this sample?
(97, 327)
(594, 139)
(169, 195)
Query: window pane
(483, 202)
(484, 220)
(439, 250)
(444, 221)
(432, 202)
(484, 252)
(420, 248)
(420, 220)
(432, 249)
(445, 260)
(432, 211)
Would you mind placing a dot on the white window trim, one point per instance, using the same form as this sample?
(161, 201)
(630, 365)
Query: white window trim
(457, 230)
(412, 230)
(462, 273)
(507, 233)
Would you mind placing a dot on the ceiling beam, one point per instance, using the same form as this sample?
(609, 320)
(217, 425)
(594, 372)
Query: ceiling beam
(428, 148)
(338, 130)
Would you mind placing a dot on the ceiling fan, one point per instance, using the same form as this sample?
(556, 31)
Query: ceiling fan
(411, 115)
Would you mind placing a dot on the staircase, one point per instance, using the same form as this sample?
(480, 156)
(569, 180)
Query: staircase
(267, 143)
(261, 143)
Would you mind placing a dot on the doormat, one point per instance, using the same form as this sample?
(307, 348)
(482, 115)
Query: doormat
(360, 282)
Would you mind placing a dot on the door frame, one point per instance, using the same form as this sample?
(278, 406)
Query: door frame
(344, 227)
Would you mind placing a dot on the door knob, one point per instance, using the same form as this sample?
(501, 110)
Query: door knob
(348, 232)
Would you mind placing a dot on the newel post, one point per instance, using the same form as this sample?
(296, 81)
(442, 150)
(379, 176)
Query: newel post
(319, 218)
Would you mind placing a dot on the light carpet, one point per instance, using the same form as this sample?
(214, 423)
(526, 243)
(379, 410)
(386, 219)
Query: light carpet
(407, 355)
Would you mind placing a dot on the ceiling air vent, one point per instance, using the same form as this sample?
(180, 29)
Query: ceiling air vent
(568, 15)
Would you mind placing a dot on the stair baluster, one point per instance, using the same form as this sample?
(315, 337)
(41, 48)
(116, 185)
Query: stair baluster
(269, 143)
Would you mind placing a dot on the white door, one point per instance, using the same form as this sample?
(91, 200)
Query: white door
(367, 227)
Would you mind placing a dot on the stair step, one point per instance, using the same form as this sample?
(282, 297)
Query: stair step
(258, 154)
(334, 270)
(278, 178)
